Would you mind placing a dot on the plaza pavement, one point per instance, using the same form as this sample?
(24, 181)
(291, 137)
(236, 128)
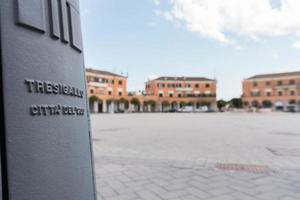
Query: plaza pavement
(197, 156)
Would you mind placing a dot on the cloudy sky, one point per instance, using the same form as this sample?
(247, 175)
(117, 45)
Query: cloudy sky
(224, 39)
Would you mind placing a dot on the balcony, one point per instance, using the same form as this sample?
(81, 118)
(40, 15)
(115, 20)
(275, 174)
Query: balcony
(286, 86)
(199, 95)
(186, 89)
(97, 84)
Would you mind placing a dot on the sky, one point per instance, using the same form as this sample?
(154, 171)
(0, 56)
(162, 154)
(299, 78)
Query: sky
(227, 40)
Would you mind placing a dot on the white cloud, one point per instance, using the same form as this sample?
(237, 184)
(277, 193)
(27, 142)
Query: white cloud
(297, 45)
(156, 2)
(252, 18)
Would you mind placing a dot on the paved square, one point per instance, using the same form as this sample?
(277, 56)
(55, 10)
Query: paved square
(197, 156)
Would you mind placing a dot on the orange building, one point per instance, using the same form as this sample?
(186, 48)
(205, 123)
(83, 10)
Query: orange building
(178, 92)
(107, 92)
(104, 89)
(279, 91)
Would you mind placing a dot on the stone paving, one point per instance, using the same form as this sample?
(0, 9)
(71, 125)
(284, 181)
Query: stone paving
(197, 156)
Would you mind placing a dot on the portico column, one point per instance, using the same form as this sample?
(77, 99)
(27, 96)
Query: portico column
(149, 108)
(95, 107)
(141, 107)
(130, 107)
(112, 108)
(214, 106)
(104, 106)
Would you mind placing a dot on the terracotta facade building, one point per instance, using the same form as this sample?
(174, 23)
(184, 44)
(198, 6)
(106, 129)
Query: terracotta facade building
(279, 91)
(177, 92)
(107, 92)
(104, 88)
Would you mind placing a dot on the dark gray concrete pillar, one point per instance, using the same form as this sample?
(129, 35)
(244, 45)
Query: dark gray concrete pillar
(46, 151)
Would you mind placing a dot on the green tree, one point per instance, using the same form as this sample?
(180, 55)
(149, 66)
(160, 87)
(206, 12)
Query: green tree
(109, 101)
(125, 102)
(236, 103)
(221, 104)
(135, 101)
(152, 103)
(182, 104)
(94, 99)
(190, 103)
(267, 104)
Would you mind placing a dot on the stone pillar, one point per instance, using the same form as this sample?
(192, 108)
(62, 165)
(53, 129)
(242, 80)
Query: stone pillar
(104, 106)
(214, 106)
(149, 108)
(46, 151)
(141, 108)
(95, 107)
(112, 108)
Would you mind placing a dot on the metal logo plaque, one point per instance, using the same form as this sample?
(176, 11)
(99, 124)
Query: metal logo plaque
(45, 144)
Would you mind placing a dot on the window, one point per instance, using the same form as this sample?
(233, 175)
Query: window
(292, 93)
(280, 93)
(160, 95)
(188, 85)
(120, 93)
(207, 85)
(196, 85)
(92, 91)
(109, 92)
(268, 94)
(112, 81)
(163, 85)
(170, 95)
(120, 82)
(96, 79)
(254, 84)
(179, 95)
(292, 82)
(268, 83)
(255, 94)
(279, 83)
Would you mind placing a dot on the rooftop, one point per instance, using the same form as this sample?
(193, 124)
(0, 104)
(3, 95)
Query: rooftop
(182, 78)
(275, 75)
(102, 72)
